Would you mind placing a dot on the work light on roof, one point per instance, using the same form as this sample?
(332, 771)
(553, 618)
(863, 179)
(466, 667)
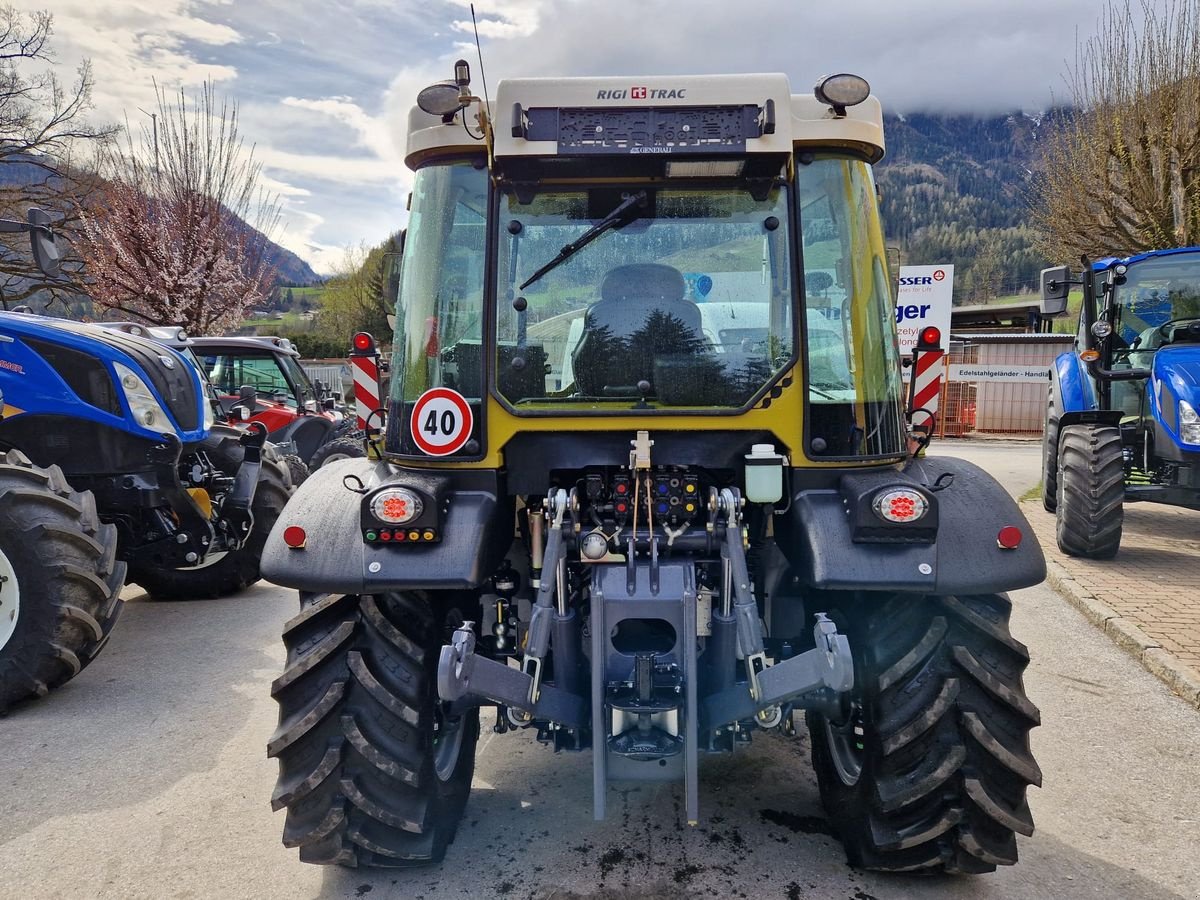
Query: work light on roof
(445, 98)
(842, 90)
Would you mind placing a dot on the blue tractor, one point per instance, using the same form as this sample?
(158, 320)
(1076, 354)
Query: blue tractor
(112, 470)
(1123, 410)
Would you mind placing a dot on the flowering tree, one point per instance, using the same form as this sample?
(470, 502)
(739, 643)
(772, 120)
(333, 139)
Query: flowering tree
(180, 234)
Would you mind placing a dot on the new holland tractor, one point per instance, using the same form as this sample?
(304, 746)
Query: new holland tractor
(642, 496)
(1123, 409)
(112, 470)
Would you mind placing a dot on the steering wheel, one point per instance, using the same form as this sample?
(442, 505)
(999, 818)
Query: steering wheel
(1174, 324)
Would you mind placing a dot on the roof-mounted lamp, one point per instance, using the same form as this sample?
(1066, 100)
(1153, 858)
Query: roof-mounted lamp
(446, 98)
(840, 91)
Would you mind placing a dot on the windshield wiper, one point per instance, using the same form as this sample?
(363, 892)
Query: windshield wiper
(609, 221)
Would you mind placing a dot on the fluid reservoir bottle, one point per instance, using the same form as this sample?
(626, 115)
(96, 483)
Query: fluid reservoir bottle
(764, 474)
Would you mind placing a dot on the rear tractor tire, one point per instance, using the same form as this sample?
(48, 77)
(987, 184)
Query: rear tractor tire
(230, 572)
(60, 581)
(296, 469)
(927, 766)
(337, 449)
(1050, 457)
(1091, 491)
(373, 769)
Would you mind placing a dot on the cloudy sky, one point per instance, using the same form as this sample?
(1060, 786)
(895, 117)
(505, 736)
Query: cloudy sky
(325, 85)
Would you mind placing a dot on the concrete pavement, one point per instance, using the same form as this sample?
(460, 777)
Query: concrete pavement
(147, 778)
(1147, 599)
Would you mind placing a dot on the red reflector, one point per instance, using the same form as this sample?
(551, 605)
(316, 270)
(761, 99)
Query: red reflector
(294, 537)
(1009, 537)
(931, 336)
(363, 342)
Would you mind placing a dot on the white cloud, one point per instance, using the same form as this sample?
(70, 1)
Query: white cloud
(325, 89)
(371, 133)
(502, 18)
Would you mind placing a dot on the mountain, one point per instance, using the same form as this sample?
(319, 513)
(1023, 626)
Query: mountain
(955, 190)
(290, 269)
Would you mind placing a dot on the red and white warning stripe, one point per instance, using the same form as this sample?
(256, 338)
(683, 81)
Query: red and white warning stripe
(927, 387)
(366, 387)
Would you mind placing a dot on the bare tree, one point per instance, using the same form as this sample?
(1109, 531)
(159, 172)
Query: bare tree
(181, 233)
(1122, 168)
(42, 132)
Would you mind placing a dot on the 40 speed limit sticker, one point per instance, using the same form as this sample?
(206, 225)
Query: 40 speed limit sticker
(441, 422)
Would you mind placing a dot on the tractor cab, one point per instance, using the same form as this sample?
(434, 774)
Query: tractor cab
(1138, 349)
(610, 258)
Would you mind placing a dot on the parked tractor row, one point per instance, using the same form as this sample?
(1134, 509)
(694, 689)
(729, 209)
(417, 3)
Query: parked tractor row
(122, 463)
(629, 493)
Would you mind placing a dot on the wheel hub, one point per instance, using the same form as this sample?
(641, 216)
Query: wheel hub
(10, 600)
(447, 742)
(846, 745)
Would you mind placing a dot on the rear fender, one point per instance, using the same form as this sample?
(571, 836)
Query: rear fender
(476, 526)
(307, 433)
(962, 557)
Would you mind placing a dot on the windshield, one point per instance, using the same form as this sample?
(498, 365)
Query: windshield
(667, 298)
(853, 367)
(1158, 293)
(230, 371)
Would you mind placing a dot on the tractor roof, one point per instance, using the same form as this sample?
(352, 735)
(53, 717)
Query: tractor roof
(269, 343)
(533, 116)
(1103, 265)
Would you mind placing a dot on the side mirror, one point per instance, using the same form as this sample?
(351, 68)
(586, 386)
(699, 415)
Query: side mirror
(1056, 284)
(328, 403)
(43, 243)
(247, 394)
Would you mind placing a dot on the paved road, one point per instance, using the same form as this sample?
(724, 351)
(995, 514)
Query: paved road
(1015, 464)
(147, 777)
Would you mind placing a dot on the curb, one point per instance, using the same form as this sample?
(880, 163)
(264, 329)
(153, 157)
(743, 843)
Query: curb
(1180, 678)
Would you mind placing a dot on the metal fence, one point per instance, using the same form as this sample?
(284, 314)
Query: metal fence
(336, 377)
(995, 384)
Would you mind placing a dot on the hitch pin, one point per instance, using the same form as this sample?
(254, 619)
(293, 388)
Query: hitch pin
(755, 664)
(535, 684)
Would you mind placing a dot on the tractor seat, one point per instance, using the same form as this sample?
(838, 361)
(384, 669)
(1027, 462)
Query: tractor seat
(641, 315)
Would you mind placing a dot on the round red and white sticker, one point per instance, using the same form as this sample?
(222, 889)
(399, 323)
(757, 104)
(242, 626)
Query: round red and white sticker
(441, 422)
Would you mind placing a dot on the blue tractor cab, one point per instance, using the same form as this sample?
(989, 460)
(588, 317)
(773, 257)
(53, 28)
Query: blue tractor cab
(1123, 408)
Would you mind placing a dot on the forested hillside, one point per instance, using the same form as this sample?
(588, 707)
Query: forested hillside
(955, 191)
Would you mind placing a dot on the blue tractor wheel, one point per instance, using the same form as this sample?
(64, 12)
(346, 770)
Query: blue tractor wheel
(1091, 491)
(1050, 456)
(59, 579)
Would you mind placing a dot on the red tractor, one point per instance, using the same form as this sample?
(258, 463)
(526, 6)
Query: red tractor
(260, 379)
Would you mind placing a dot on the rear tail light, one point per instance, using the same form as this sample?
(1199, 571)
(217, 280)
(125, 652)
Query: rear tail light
(900, 505)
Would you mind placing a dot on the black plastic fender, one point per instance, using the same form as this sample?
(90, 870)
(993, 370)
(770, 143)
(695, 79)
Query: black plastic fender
(963, 557)
(476, 528)
(307, 433)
